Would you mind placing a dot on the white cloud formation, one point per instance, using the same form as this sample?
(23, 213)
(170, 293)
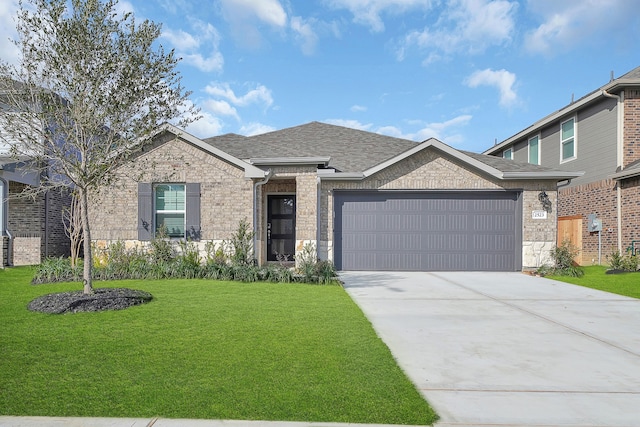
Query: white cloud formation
(368, 12)
(448, 131)
(8, 10)
(268, 11)
(220, 108)
(304, 34)
(260, 95)
(503, 80)
(252, 129)
(569, 22)
(353, 124)
(465, 25)
(358, 108)
(189, 46)
(245, 17)
(207, 126)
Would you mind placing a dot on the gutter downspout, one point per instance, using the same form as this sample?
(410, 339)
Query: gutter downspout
(267, 176)
(619, 158)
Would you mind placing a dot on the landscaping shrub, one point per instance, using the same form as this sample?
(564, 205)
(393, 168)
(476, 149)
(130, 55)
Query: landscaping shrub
(620, 262)
(564, 264)
(164, 258)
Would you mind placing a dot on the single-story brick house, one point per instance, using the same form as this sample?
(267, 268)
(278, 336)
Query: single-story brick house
(366, 201)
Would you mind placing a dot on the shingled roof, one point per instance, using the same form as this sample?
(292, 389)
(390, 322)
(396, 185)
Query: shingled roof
(350, 150)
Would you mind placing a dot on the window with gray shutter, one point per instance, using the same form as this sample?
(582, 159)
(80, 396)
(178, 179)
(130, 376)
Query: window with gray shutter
(193, 211)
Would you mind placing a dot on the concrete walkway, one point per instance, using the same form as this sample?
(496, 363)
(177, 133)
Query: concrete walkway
(508, 349)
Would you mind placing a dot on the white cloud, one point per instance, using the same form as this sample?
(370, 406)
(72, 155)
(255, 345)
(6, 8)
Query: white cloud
(358, 108)
(181, 39)
(245, 17)
(368, 12)
(569, 22)
(448, 131)
(304, 34)
(353, 124)
(207, 126)
(465, 25)
(252, 129)
(189, 46)
(220, 108)
(260, 95)
(503, 80)
(268, 11)
(8, 10)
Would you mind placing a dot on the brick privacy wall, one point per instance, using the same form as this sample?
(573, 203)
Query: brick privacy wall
(631, 150)
(595, 197)
(226, 196)
(428, 170)
(630, 189)
(27, 250)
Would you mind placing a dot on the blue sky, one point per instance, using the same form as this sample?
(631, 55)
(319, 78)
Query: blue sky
(467, 72)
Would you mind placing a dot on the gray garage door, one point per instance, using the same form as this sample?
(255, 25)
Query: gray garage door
(428, 231)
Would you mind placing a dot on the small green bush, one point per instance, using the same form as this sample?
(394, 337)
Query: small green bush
(623, 262)
(564, 264)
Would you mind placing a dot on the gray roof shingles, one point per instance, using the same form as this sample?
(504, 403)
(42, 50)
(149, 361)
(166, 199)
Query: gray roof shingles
(350, 150)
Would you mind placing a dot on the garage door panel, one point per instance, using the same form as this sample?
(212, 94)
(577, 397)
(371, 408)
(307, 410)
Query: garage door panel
(427, 231)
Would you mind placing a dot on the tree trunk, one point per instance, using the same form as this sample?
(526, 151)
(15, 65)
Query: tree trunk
(86, 237)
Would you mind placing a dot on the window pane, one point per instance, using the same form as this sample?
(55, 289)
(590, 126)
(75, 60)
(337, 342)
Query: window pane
(533, 151)
(170, 197)
(172, 223)
(507, 154)
(567, 129)
(567, 149)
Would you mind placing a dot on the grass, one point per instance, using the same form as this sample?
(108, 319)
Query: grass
(627, 284)
(202, 349)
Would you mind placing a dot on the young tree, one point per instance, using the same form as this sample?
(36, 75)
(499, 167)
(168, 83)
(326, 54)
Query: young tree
(90, 87)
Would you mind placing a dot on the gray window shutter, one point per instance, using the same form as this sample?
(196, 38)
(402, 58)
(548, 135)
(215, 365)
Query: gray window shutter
(193, 211)
(145, 211)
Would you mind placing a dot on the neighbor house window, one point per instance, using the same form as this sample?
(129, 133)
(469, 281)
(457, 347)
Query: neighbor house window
(534, 150)
(170, 209)
(508, 153)
(568, 140)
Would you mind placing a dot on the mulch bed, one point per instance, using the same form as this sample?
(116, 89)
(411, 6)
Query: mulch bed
(100, 300)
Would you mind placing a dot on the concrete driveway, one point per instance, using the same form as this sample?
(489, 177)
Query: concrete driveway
(508, 349)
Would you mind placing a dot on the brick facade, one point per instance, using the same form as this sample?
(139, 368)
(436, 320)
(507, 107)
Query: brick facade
(630, 192)
(594, 198)
(227, 196)
(631, 150)
(36, 225)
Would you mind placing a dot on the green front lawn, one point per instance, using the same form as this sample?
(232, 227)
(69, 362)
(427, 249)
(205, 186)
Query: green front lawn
(202, 349)
(627, 284)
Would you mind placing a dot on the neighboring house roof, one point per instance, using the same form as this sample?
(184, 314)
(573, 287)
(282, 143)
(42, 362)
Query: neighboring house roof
(355, 154)
(632, 78)
(631, 171)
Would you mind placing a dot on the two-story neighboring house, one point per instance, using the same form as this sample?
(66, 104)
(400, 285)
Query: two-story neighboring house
(31, 228)
(600, 135)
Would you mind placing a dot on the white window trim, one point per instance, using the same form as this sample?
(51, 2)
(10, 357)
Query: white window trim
(539, 151)
(510, 151)
(575, 140)
(156, 211)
